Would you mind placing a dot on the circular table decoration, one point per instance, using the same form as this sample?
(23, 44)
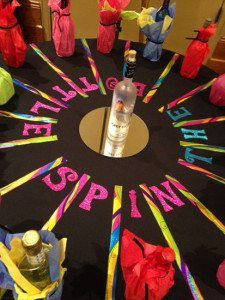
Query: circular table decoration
(94, 134)
(171, 193)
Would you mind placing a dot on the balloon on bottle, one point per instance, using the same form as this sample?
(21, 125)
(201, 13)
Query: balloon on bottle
(217, 94)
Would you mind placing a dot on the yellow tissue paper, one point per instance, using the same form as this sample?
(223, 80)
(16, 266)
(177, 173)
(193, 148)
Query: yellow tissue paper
(145, 18)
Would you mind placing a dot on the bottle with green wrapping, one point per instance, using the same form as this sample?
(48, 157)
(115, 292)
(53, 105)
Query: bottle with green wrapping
(124, 98)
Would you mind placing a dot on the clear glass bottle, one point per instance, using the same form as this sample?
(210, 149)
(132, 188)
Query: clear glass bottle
(113, 148)
(34, 265)
(124, 98)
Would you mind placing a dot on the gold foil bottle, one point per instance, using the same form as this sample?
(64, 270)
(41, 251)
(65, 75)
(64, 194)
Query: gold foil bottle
(34, 266)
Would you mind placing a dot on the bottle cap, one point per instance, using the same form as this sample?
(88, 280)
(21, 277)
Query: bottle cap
(31, 242)
(132, 54)
(207, 22)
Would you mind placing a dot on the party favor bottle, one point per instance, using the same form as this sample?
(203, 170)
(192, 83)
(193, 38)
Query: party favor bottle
(34, 266)
(124, 98)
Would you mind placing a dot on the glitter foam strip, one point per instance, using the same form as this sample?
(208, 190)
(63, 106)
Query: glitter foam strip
(22, 142)
(32, 175)
(58, 71)
(62, 208)
(114, 245)
(162, 77)
(93, 67)
(202, 171)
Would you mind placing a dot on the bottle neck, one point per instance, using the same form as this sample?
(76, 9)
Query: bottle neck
(163, 12)
(63, 4)
(38, 259)
(130, 69)
(127, 80)
(165, 4)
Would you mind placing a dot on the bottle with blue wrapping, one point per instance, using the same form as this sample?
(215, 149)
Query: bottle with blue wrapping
(163, 11)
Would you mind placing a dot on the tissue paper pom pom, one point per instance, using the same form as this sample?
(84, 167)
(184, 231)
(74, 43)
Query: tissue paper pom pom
(221, 274)
(146, 268)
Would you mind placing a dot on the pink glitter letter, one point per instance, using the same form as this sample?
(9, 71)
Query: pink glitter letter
(140, 88)
(65, 174)
(88, 87)
(172, 197)
(37, 129)
(102, 194)
(38, 105)
(111, 82)
(67, 96)
(134, 210)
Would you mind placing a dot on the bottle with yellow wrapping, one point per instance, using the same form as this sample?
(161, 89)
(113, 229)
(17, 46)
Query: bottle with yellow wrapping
(34, 265)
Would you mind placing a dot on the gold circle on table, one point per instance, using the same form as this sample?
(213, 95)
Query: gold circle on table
(93, 132)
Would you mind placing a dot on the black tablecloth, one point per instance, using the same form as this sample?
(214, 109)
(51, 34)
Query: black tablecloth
(200, 242)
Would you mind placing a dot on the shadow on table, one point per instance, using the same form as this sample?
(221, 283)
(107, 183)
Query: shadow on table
(212, 188)
(6, 124)
(26, 225)
(206, 268)
(87, 282)
(11, 105)
(3, 165)
(219, 160)
(29, 74)
(148, 155)
(179, 290)
(79, 59)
